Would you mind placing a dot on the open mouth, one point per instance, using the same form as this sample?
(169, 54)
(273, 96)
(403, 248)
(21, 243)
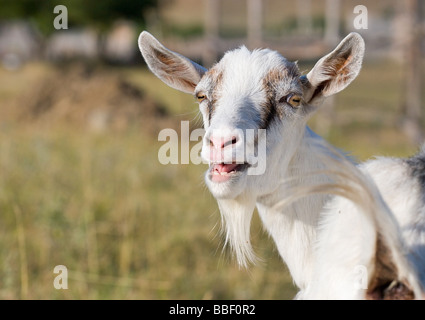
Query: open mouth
(221, 172)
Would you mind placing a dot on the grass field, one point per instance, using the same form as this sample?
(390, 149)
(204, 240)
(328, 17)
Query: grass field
(124, 225)
(127, 227)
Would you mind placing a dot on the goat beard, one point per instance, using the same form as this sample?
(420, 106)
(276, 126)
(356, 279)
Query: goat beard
(236, 215)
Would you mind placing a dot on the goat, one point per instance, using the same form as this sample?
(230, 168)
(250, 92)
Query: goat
(262, 90)
(364, 250)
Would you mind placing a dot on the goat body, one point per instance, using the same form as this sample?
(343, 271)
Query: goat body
(371, 235)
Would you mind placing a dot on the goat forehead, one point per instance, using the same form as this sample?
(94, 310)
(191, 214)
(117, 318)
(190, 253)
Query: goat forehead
(243, 86)
(243, 71)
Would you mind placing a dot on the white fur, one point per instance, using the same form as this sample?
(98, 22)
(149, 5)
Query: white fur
(379, 197)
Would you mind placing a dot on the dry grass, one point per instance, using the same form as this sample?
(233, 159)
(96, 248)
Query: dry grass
(124, 225)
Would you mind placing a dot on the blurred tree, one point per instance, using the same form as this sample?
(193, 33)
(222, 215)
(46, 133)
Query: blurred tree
(99, 14)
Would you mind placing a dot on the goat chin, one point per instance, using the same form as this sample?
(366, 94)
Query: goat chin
(229, 189)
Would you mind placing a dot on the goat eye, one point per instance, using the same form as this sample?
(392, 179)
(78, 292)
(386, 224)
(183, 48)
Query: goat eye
(200, 97)
(294, 100)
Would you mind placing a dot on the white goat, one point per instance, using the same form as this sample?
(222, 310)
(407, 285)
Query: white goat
(260, 89)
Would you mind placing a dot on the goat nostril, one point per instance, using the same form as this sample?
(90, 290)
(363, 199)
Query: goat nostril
(219, 142)
(230, 142)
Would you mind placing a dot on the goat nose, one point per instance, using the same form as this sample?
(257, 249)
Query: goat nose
(221, 142)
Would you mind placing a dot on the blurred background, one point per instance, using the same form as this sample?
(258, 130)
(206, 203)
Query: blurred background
(80, 180)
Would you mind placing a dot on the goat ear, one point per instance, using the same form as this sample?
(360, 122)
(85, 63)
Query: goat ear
(335, 71)
(172, 68)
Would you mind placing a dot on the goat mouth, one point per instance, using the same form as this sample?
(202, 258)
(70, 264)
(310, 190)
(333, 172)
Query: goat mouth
(221, 172)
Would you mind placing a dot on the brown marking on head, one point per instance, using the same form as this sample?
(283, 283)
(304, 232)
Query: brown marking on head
(269, 110)
(216, 81)
(269, 85)
(385, 283)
